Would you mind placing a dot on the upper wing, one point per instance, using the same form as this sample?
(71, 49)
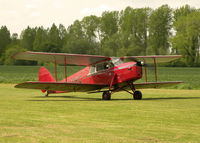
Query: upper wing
(60, 86)
(152, 59)
(156, 84)
(61, 58)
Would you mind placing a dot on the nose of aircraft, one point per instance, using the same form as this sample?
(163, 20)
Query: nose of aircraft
(129, 71)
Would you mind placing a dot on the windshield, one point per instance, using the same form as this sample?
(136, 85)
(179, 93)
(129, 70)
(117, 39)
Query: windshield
(116, 61)
(105, 65)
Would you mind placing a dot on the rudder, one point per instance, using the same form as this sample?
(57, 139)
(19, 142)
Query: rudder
(45, 76)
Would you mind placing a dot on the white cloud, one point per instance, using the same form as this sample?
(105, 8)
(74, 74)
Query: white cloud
(96, 10)
(58, 4)
(30, 6)
(35, 14)
(8, 12)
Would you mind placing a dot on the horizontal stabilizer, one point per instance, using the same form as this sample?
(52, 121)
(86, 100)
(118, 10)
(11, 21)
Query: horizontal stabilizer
(156, 84)
(60, 86)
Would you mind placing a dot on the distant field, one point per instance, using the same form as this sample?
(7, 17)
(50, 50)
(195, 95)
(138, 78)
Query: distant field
(163, 116)
(17, 74)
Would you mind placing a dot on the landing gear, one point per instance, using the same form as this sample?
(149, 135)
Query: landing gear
(106, 95)
(47, 94)
(137, 95)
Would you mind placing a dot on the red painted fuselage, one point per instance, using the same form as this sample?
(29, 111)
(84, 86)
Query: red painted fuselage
(129, 71)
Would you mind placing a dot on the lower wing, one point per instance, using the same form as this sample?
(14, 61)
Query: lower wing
(156, 84)
(79, 87)
(60, 86)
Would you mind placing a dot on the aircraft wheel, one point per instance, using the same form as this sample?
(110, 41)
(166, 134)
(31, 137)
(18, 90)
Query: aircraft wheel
(106, 95)
(137, 95)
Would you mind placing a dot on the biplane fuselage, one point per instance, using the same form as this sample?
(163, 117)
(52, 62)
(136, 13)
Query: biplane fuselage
(123, 72)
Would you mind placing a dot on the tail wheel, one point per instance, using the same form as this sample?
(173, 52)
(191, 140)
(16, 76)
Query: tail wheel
(137, 95)
(106, 95)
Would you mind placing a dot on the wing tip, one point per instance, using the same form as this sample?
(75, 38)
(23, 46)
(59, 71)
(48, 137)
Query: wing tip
(20, 85)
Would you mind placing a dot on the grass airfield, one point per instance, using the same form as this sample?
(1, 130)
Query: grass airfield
(164, 115)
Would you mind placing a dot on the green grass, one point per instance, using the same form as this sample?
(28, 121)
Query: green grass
(17, 74)
(164, 116)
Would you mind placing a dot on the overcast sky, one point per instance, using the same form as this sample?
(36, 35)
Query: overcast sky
(18, 14)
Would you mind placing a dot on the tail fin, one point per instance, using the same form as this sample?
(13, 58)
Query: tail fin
(45, 76)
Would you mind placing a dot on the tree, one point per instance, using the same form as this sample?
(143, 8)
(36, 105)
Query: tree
(109, 31)
(91, 29)
(187, 38)
(27, 38)
(75, 40)
(11, 51)
(160, 24)
(41, 39)
(178, 13)
(134, 29)
(182, 11)
(109, 23)
(4, 41)
(62, 34)
(54, 40)
(90, 26)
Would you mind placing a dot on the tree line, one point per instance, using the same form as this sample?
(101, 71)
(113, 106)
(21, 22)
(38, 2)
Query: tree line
(132, 31)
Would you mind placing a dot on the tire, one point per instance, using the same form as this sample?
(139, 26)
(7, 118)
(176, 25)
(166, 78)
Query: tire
(137, 95)
(106, 95)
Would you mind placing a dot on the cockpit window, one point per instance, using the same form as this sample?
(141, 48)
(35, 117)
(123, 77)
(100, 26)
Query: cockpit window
(116, 61)
(92, 69)
(105, 65)
(101, 66)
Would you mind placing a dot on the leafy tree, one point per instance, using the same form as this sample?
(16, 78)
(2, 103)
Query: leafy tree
(182, 11)
(134, 29)
(90, 26)
(14, 38)
(75, 41)
(109, 28)
(187, 38)
(4, 41)
(62, 34)
(111, 46)
(41, 39)
(54, 40)
(91, 29)
(160, 24)
(27, 38)
(109, 23)
(10, 52)
(178, 13)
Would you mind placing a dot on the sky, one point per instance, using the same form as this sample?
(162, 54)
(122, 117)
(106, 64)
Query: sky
(18, 14)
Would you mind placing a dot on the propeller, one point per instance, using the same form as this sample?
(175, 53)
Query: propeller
(139, 62)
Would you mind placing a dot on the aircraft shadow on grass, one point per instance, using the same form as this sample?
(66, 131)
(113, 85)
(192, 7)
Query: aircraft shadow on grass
(75, 98)
(171, 98)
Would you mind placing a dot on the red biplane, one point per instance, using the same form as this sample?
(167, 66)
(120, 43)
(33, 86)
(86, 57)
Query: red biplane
(101, 74)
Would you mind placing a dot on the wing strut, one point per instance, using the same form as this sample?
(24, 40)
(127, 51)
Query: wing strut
(55, 70)
(145, 70)
(65, 69)
(155, 69)
(111, 82)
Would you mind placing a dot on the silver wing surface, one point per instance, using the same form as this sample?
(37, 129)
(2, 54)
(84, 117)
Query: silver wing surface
(153, 59)
(61, 86)
(61, 58)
